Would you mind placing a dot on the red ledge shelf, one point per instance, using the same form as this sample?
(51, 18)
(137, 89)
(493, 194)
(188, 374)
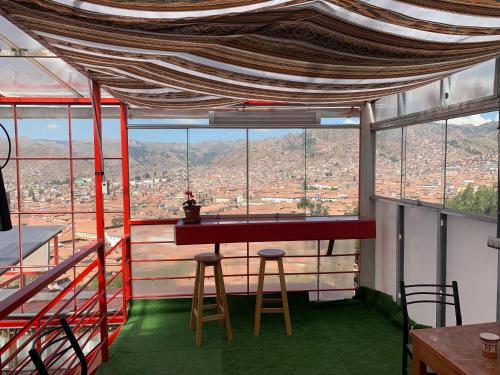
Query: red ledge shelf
(282, 228)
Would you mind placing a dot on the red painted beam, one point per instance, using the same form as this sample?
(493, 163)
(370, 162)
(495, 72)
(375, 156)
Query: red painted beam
(99, 207)
(54, 100)
(232, 230)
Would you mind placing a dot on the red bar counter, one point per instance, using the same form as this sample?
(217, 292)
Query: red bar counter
(277, 228)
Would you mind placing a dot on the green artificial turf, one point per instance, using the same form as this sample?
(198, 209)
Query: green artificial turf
(343, 337)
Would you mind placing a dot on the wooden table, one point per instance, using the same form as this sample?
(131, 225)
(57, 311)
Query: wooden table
(275, 228)
(453, 350)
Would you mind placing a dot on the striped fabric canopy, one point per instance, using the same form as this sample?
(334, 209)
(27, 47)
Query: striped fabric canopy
(204, 54)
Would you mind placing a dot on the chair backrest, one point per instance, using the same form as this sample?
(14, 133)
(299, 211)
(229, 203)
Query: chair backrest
(59, 335)
(422, 293)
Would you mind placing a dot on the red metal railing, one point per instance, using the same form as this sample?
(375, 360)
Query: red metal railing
(245, 257)
(79, 302)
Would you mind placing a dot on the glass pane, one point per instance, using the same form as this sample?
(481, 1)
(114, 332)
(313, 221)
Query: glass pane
(65, 238)
(424, 165)
(83, 185)
(67, 74)
(7, 120)
(151, 233)
(9, 171)
(352, 120)
(45, 185)
(20, 77)
(158, 172)
(111, 132)
(166, 121)
(217, 169)
(113, 191)
(82, 135)
(113, 228)
(422, 98)
(10, 181)
(17, 36)
(473, 83)
(44, 136)
(471, 163)
(388, 163)
(386, 107)
(85, 229)
(332, 171)
(276, 170)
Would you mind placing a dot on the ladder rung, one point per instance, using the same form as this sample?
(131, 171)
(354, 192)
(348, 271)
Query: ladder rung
(272, 310)
(212, 317)
(208, 307)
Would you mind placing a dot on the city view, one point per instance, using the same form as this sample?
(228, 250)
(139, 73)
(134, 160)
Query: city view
(235, 172)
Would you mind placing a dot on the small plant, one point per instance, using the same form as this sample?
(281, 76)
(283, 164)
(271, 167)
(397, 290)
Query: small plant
(191, 209)
(190, 202)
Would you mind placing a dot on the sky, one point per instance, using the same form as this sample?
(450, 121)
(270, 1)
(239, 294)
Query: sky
(57, 129)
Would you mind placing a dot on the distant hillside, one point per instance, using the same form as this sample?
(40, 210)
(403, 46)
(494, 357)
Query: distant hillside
(326, 150)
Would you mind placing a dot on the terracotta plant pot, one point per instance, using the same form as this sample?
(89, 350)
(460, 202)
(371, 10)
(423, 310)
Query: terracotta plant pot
(192, 214)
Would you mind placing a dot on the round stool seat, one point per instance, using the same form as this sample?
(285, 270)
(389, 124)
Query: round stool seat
(208, 257)
(271, 253)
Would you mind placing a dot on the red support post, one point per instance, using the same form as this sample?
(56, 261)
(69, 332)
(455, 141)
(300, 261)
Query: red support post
(99, 202)
(126, 282)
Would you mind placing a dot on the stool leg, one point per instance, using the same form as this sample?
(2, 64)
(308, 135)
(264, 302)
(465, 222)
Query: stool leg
(227, 319)
(195, 298)
(218, 294)
(201, 289)
(284, 297)
(258, 303)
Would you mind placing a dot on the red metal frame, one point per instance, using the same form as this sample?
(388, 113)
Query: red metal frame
(99, 207)
(126, 203)
(54, 100)
(16, 301)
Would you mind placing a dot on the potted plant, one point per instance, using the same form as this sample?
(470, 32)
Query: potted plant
(191, 209)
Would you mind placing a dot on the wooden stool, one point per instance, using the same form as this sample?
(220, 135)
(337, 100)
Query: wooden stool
(214, 260)
(277, 255)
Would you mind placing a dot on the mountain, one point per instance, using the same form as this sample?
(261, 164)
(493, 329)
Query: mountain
(326, 150)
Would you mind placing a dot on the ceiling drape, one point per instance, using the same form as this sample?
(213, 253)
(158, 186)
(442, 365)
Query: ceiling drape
(206, 54)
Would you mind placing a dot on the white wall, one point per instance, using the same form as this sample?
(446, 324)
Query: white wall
(386, 247)
(475, 267)
(420, 265)
(469, 260)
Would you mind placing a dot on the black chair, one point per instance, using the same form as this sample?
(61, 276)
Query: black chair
(60, 334)
(442, 296)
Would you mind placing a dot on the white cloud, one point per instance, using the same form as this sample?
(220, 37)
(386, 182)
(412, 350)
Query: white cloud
(262, 130)
(496, 117)
(474, 120)
(349, 121)
(52, 126)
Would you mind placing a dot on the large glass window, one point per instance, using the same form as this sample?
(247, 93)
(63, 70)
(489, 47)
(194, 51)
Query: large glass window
(471, 163)
(332, 169)
(386, 107)
(217, 169)
(388, 163)
(468, 181)
(421, 99)
(473, 83)
(240, 171)
(276, 160)
(424, 162)
(50, 181)
(158, 172)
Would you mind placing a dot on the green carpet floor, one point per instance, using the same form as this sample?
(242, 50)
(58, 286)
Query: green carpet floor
(335, 338)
